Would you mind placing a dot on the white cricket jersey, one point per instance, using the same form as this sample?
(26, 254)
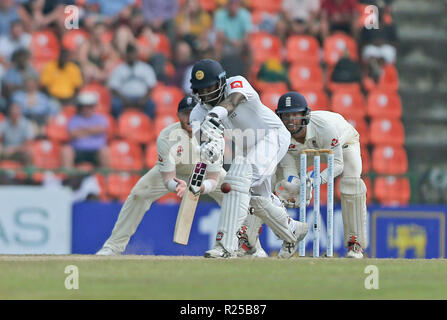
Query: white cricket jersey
(178, 152)
(326, 130)
(251, 116)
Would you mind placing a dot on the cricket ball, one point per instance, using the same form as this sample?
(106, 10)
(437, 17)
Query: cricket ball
(225, 187)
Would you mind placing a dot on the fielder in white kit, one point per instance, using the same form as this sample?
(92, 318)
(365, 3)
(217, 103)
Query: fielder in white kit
(324, 130)
(177, 155)
(261, 140)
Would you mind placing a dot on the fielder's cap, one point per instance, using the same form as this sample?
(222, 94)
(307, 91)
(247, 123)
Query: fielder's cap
(187, 103)
(87, 98)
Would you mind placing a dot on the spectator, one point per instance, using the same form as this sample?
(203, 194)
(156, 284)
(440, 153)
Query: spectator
(281, 28)
(160, 15)
(233, 25)
(339, 15)
(21, 68)
(96, 56)
(302, 15)
(131, 84)
(379, 44)
(46, 13)
(35, 105)
(183, 62)
(16, 39)
(9, 12)
(273, 70)
(62, 79)
(107, 10)
(346, 71)
(16, 133)
(88, 132)
(193, 25)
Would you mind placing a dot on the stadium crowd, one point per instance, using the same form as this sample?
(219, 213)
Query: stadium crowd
(87, 85)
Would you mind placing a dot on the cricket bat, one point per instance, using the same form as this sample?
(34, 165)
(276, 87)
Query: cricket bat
(188, 205)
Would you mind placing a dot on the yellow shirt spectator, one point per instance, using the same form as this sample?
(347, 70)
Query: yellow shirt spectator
(193, 20)
(61, 82)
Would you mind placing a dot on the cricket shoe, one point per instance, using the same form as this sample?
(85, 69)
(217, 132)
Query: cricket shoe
(354, 250)
(107, 251)
(288, 248)
(244, 247)
(219, 252)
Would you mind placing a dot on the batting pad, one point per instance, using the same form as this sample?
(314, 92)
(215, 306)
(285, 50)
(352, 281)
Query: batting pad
(353, 207)
(234, 205)
(275, 216)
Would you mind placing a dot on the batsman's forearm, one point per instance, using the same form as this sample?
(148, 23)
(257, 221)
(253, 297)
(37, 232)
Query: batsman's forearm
(232, 101)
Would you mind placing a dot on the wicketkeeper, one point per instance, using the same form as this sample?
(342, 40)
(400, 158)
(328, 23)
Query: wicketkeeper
(324, 130)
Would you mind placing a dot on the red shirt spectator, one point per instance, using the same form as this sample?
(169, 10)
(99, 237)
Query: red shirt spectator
(339, 15)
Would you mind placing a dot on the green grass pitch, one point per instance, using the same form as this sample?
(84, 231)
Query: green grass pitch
(178, 278)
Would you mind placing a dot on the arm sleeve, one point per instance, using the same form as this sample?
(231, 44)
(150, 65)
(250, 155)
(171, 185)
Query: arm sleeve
(330, 140)
(165, 160)
(241, 85)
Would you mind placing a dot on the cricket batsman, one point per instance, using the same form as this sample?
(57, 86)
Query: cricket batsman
(261, 141)
(324, 130)
(178, 152)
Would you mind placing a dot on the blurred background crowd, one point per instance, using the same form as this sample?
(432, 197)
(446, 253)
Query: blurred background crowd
(85, 90)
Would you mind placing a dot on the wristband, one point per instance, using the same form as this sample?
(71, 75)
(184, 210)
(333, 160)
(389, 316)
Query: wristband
(221, 112)
(172, 184)
(207, 186)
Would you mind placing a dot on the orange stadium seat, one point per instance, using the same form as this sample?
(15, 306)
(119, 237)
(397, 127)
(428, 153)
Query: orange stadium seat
(302, 48)
(316, 99)
(392, 191)
(56, 128)
(13, 168)
(336, 45)
(135, 126)
(264, 46)
(119, 185)
(208, 5)
(103, 95)
(72, 39)
(125, 155)
(387, 159)
(261, 86)
(389, 80)
(103, 196)
(162, 122)
(341, 86)
(151, 155)
(44, 48)
(166, 99)
(69, 110)
(387, 131)
(348, 103)
(384, 103)
(306, 76)
(270, 98)
(272, 6)
(359, 123)
(46, 154)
